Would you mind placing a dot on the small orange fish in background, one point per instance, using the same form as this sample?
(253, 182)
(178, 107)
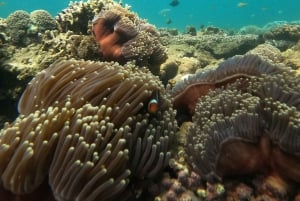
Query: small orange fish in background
(242, 4)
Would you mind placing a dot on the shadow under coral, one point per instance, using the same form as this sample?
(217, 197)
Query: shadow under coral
(43, 193)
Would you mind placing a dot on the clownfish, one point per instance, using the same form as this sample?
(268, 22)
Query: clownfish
(153, 105)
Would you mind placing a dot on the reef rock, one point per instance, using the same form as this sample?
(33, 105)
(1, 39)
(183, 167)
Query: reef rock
(225, 46)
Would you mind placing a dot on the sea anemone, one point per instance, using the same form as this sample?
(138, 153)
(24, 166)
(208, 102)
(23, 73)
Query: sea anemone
(122, 37)
(188, 91)
(85, 127)
(250, 130)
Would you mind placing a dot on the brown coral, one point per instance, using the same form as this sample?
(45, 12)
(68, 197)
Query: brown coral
(85, 125)
(123, 36)
(250, 131)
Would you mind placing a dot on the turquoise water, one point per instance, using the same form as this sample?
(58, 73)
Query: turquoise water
(223, 13)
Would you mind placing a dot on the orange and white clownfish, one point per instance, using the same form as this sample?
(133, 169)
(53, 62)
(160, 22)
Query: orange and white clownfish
(153, 104)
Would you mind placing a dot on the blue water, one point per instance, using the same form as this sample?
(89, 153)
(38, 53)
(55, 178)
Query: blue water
(222, 13)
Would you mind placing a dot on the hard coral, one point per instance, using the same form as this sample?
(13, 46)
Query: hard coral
(43, 20)
(123, 36)
(283, 32)
(85, 127)
(267, 52)
(17, 24)
(77, 16)
(250, 130)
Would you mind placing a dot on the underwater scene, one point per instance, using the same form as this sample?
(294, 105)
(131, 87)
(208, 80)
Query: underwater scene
(139, 100)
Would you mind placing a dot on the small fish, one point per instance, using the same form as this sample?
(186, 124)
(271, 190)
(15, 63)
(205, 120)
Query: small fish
(242, 4)
(164, 12)
(153, 104)
(174, 3)
(169, 21)
(2, 3)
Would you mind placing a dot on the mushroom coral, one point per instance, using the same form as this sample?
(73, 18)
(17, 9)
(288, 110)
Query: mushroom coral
(250, 130)
(85, 127)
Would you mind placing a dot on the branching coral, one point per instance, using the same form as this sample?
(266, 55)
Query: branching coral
(85, 125)
(77, 16)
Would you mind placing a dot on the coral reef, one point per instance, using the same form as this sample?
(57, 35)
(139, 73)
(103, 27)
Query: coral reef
(183, 54)
(283, 32)
(249, 91)
(228, 46)
(122, 37)
(90, 120)
(267, 52)
(42, 20)
(282, 36)
(251, 29)
(42, 49)
(24, 28)
(191, 30)
(78, 15)
(18, 23)
(291, 57)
